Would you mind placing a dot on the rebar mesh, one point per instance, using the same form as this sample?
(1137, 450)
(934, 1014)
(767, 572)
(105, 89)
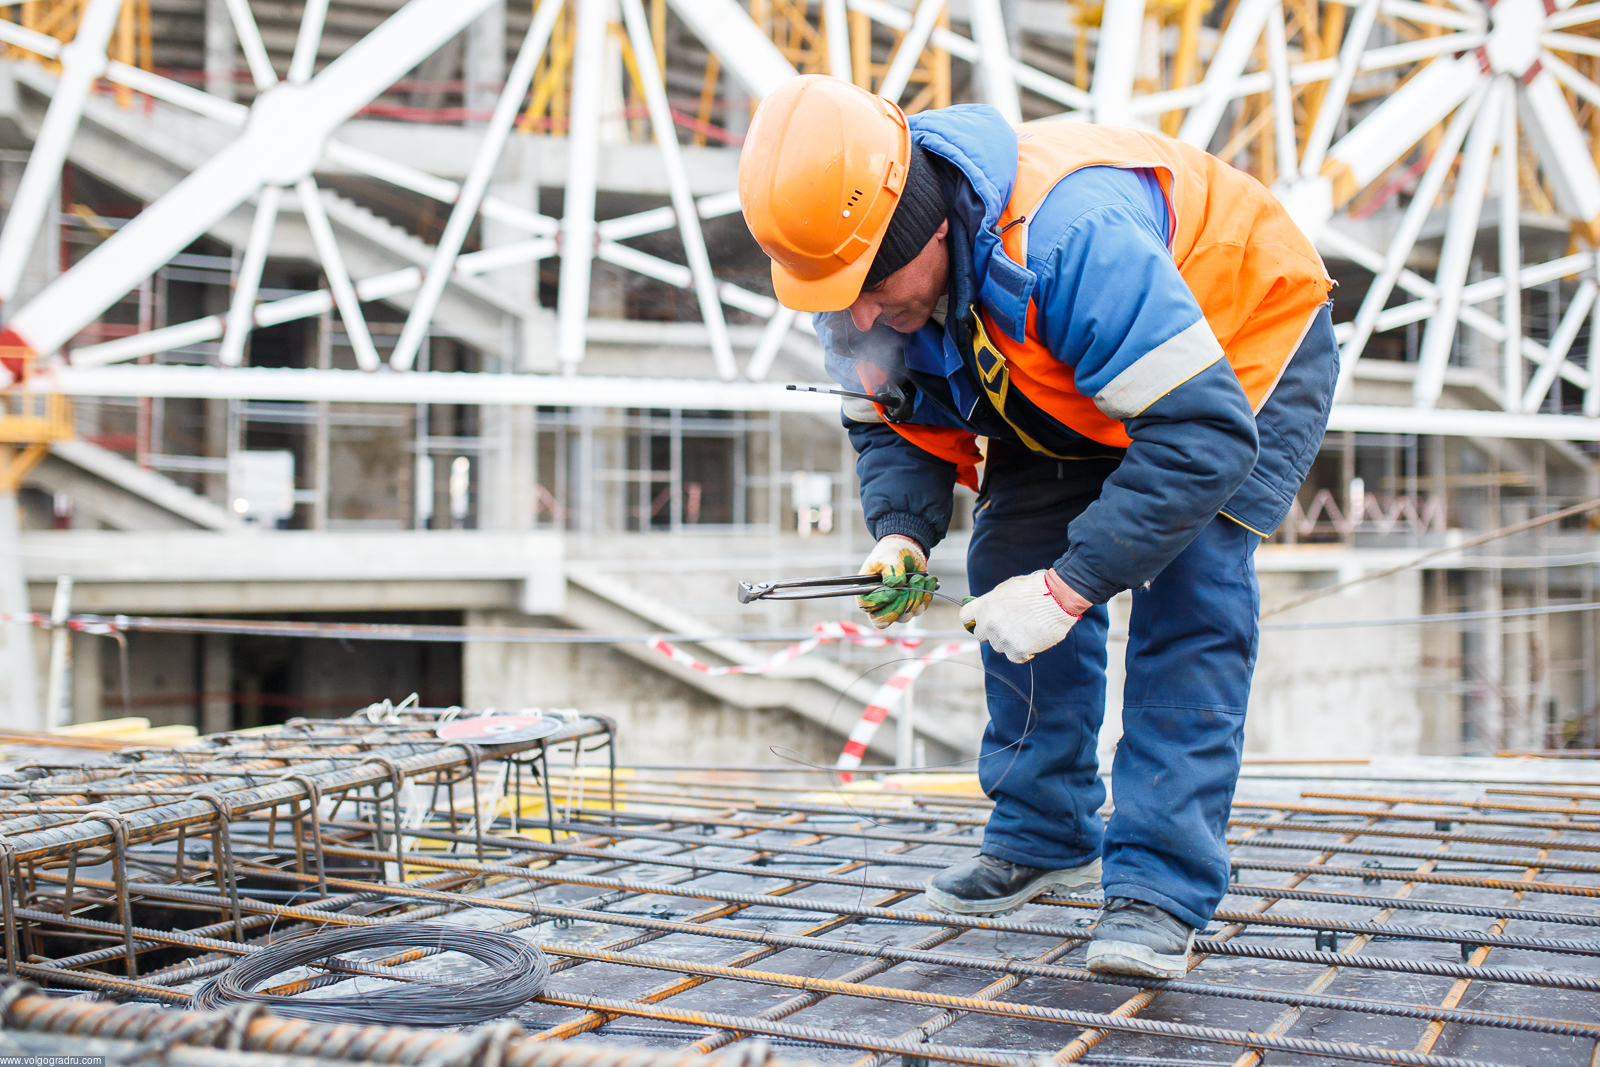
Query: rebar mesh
(689, 911)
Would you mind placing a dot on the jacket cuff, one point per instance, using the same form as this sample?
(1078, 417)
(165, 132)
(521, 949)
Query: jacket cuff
(906, 525)
(1091, 587)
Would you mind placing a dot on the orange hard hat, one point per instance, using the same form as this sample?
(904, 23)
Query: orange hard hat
(823, 166)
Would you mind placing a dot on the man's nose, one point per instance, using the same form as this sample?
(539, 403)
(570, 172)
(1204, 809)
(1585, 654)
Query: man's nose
(864, 313)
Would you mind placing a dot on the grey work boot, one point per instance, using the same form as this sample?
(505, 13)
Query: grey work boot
(1140, 939)
(988, 885)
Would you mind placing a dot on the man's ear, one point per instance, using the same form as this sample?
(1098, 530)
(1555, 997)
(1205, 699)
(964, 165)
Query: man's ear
(944, 228)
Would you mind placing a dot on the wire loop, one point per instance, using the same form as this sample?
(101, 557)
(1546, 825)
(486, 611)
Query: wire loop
(516, 973)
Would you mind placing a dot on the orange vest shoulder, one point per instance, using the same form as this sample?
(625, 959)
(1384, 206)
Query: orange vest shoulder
(1257, 278)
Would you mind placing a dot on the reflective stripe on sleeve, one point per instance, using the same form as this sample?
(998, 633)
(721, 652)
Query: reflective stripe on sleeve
(1159, 371)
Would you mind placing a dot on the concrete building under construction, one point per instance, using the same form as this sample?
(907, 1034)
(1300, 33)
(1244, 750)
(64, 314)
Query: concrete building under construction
(414, 355)
(505, 493)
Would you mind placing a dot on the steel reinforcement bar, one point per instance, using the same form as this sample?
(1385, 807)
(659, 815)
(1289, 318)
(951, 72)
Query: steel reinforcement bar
(253, 836)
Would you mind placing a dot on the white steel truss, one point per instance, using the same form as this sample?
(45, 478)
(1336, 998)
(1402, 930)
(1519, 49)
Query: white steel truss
(1467, 110)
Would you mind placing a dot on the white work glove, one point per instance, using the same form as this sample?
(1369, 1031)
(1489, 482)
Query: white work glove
(1020, 617)
(906, 583)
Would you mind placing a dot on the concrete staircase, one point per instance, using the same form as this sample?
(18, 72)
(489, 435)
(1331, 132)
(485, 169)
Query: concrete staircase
(109, 489)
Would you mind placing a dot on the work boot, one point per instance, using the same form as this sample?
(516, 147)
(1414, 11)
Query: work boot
(988, 885)
(1140, 939)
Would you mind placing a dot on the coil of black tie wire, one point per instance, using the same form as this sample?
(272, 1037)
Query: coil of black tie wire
(514, 972)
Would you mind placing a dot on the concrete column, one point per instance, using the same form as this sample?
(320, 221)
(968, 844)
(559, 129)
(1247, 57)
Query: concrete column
(88, 684)
(58, 690)
(220, 50)
(510, 677)
(507, 474)
(321, 435)
(217, 429)
(1347, 476)
(485, 61)
(1522, 709)
(216, 438)
(216, 682)
(1491, 680)
(524, 472)
(516, 181)
(608, 292)
(495, 488)
(22, 708)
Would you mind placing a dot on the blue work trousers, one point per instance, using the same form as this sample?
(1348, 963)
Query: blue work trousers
(1190, 654)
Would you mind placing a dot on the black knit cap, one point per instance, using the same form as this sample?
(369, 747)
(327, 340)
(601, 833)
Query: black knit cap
(916, 217)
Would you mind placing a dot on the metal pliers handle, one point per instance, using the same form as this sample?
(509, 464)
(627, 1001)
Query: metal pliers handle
(813, 588)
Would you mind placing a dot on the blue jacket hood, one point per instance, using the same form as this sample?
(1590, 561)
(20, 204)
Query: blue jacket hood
(978, 141)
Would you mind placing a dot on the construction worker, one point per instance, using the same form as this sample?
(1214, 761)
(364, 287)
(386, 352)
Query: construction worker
(1142, 336)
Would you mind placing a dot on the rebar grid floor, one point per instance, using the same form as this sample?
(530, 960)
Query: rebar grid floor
(687, 912)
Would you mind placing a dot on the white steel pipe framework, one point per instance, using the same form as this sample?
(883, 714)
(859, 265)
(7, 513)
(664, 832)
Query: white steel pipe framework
(343, 289)
(248, 283)
(472, 190)
(683, 205)
(1237, 44)
(308, 41)
(82, 62)
(996, 68)
(583, 146)
(282, 143)
(1460, 235)
(1405, 238)
(1282, 96)
(1405, 146)
(595, 391)
(835, 20)
(255, 50)
(1560, 344)
(1116, 60)
(1355, 42)
(910, 50)
(1511, 264)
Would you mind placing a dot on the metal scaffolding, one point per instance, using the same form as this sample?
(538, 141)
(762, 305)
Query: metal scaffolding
(688, 911)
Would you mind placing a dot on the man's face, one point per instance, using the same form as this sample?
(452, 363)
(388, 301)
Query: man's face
(905, 299)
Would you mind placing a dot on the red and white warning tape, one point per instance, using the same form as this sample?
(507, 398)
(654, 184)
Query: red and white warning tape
(822, 633)
(888, 695)
(90, 624)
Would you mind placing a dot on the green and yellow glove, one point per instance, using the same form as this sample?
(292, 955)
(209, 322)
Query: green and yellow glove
(907, 585)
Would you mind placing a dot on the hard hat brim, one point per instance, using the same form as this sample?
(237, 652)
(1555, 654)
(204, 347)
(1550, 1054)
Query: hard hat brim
(834, 292)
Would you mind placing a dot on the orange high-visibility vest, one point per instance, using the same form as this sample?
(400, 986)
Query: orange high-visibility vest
(1257, 278)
